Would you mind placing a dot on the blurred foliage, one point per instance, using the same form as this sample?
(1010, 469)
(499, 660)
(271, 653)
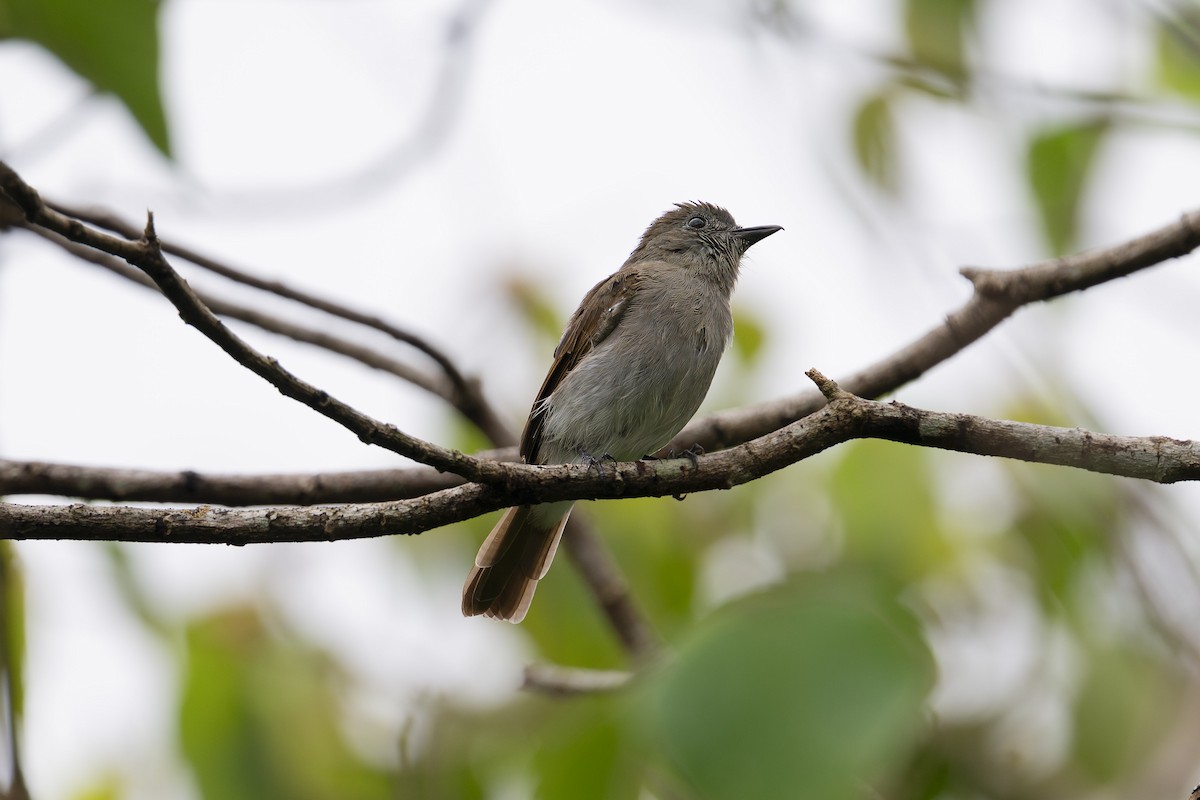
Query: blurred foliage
(544, 318)
(260, 717)
(852, 577)
(874, 141)
(884, 495)
(107, 788)
(805, 691)
(1116, 727)
(936, 32)
(748, 338)
(12, 628)
(12, 674)
(1059, 162)
(113, 45)
(1178, 52)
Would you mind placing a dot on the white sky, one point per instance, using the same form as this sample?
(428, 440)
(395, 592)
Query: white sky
(578, 122)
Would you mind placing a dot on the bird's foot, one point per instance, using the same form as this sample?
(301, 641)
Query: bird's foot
(593, 462)
(692, 454)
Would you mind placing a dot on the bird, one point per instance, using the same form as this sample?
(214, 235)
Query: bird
(633, 365)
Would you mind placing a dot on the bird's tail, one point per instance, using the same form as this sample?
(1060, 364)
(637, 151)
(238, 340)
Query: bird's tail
(513, 558)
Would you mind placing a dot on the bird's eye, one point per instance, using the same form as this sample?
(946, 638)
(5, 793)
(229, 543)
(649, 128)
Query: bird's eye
(696, 222)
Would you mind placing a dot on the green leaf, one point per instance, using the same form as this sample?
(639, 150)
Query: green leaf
(1178, 54)
(935, 30)
(112, 44)
(810, 691)
(1058, 163)
(875, 140)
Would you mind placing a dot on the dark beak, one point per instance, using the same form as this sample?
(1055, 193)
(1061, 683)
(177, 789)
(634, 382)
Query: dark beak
(749, 236)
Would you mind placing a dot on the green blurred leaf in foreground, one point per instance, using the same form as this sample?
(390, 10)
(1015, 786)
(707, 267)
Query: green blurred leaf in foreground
(112, 44)
(813, 690)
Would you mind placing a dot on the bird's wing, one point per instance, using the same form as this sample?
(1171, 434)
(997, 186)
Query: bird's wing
(596, 317)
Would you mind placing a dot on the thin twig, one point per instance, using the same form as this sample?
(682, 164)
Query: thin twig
(567, 681)
(366, 356)
(465, 395)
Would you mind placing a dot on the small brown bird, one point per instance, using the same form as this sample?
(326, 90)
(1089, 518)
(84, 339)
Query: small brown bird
(634, 364)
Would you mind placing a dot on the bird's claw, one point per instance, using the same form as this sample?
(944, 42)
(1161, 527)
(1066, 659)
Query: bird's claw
(692, 454)
(593, 462)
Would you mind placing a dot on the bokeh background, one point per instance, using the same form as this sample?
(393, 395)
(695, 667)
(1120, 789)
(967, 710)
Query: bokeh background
(880, 621)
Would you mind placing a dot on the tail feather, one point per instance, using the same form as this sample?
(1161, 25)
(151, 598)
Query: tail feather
(513, 558)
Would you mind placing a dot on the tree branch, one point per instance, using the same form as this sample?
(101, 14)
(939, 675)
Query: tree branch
(187, 486)
(845, 417)
(597, 567)
(997, 294)
(271, 323)
(427, 499)
(146, 255)
(463, 393)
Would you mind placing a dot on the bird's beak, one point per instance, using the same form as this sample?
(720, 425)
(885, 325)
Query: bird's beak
(749, 236)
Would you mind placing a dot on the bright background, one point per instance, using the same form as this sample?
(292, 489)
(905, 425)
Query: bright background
(457, 184)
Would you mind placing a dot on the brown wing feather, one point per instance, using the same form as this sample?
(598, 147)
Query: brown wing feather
(596, 317)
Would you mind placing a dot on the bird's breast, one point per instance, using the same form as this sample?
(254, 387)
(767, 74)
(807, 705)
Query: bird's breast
(638, 388)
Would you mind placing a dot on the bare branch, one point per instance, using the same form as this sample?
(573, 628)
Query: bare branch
(599, 570)
(996, 296)
(846, 417)
(464, 394)
(267, 322)
(187, 486)
(146, 255)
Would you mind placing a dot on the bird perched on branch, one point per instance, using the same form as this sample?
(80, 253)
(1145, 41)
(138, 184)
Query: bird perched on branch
(634, 364)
